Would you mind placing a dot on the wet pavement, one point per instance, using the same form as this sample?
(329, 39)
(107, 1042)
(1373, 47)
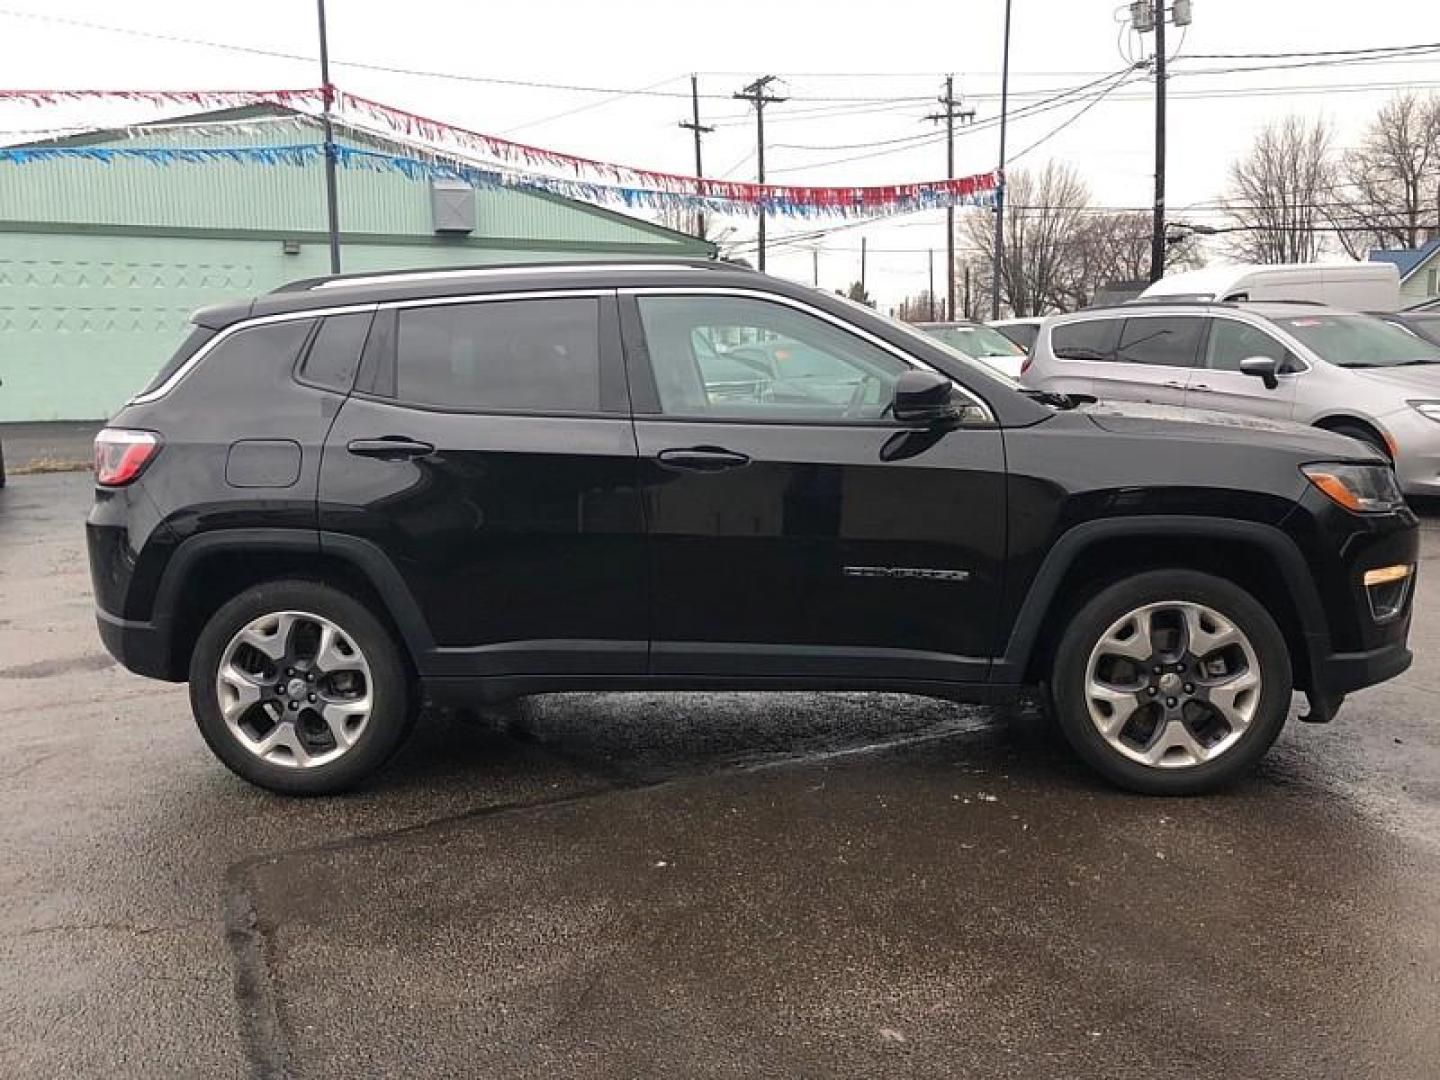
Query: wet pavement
(694, 885)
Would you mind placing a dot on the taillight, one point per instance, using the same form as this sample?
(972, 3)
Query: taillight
(1024, 367)
(121, 455)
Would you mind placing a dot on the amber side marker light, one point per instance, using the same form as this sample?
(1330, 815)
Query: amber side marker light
(1384, 575)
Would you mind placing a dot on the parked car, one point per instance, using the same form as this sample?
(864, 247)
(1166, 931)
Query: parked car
(980, 342)
(1021, 331)
(1346, 372)
(1368, 286)
(357, 494)
(1425, 324)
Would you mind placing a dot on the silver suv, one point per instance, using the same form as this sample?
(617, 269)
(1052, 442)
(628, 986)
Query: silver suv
(1350, 373)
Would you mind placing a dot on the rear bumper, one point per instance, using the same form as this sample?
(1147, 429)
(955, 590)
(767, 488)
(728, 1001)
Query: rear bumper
(139, 646)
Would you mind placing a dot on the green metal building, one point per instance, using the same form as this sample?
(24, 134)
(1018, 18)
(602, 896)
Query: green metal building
(101, 263)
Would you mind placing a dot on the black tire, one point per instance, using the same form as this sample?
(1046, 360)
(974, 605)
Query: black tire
(1091, 622)
(1363, 434)
(391, 716)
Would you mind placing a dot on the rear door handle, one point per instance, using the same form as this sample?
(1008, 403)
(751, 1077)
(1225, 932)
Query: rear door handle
(390, 448)
(1175, 384)
(1201, 387)
(701, 459)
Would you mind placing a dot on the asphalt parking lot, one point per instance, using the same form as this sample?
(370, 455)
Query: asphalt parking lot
(694, 885)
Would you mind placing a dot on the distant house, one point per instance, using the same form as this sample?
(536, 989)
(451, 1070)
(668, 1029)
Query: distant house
(102, 262)
(1419, 270)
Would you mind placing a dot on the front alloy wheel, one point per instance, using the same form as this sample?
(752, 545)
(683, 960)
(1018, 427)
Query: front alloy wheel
(1172, 684)
(1171, 681)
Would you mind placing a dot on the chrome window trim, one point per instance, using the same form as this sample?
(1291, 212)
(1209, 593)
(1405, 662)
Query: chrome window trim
(800, 305)
(230, 331)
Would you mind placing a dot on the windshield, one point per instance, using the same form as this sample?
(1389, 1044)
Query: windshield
(975, 340)
(1359, 341)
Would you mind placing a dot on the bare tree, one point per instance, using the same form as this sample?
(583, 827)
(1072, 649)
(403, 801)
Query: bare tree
(919, 307)
(1043, 214)
(1277, 193)
(1389, 192)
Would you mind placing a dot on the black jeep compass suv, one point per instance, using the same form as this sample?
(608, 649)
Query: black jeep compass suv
(359, 494)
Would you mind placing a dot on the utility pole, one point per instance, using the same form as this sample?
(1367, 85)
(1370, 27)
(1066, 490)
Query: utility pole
(968, 307)
(862, 266)
(1147, 15)
(756, 95)
(815, 267)
(327, 92)
(694, 125)
(931, 293)
(951, 113)
(1000, 176)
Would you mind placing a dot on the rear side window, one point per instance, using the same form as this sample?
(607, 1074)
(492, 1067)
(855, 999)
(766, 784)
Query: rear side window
(335, 351)
(1092, 339)
(197, 337)
(1168, 341)
(527, 355)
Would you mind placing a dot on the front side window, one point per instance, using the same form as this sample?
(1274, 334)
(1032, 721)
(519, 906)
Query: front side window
(739, 358)
(1091, 339)
(1358, 341)
(1164, 340)
(1232, 341)
(501, 355)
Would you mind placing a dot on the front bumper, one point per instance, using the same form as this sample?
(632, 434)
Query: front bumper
(1417, 457)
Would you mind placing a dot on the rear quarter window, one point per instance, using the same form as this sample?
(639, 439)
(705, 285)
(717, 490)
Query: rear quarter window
(334, 353)
(197, 337)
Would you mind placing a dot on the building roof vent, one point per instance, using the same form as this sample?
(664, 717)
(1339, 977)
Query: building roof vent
(452, 206)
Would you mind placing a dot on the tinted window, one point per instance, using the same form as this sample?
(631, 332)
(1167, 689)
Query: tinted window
(722, 356)
(197, 336)
(335, 352)
(540, 355)
(1231, 341)
(1163, 340)
(1093, 339)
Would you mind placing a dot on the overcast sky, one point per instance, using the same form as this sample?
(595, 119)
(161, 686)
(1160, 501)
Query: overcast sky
(822, 51)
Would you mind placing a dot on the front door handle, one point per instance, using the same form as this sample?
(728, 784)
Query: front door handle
(1201, 387)
(701, 459)
(390, 448)
(1175, 384)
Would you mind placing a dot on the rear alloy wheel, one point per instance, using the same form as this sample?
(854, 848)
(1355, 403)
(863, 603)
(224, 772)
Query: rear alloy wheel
(298, 688)
(1172, 682)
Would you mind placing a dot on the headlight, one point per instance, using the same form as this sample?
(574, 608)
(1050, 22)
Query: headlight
(1361, 489)
(1428, 409)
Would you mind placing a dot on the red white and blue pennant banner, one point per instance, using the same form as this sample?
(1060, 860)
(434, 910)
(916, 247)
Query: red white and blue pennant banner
(485, 160)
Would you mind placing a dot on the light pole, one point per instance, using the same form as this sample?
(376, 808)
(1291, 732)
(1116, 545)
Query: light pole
(327, 92)
(998, 261)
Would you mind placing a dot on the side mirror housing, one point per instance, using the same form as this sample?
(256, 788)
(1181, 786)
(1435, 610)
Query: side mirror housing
(1264, 368)
(925, 397)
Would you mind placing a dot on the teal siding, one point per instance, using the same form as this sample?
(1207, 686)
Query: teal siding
(102, 264)
(85, 320)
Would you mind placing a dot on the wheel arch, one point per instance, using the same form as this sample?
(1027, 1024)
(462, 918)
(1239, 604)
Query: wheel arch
(1336, 420)
(1259, 558)
(211, 568)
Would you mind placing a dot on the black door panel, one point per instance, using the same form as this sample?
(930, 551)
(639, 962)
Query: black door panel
(818, 551)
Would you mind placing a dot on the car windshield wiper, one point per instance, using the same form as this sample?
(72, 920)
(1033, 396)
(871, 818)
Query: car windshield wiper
(1058, 401)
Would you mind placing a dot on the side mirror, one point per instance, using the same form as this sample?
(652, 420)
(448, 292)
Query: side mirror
(1264, 368)
(924, 397)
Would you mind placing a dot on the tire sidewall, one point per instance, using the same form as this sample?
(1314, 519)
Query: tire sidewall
(1096, 616)
(389, 716)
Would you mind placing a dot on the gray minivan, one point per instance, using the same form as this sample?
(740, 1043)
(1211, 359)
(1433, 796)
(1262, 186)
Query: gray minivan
(1344, 371)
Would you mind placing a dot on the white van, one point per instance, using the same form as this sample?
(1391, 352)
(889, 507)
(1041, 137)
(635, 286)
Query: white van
(1352, 286)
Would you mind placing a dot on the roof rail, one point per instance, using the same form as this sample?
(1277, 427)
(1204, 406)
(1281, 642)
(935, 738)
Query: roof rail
(378, 277)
